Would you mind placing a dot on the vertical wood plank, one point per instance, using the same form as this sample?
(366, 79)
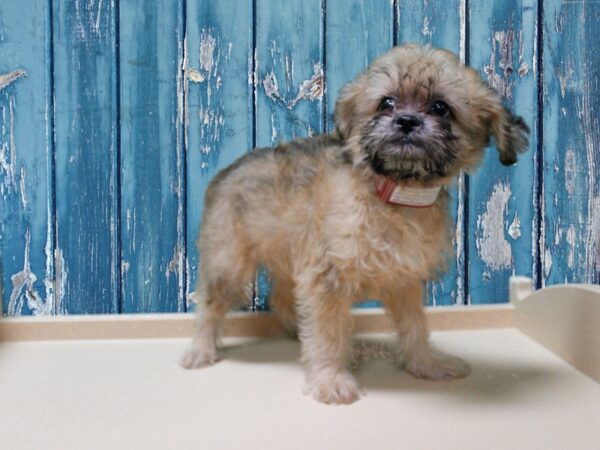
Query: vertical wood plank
(357, 31)
(87, 186)
(502, 203)
(219, 104)
(150, 54)
(26, 226)
(351, 43)
(290, 84)
(571, 196)
(441, 24)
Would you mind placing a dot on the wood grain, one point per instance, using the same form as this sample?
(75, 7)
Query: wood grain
(441, 24)
(26, 161)
(502, 214)
(87, 179)
(219, 101)
(151, 64)
(571, 195)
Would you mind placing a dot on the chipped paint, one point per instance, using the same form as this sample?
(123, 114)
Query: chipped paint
(547, 265)
(194, 76)
(24, 201)
(492, 246)
(173, 265)
(311, 89)
(10, 77)
(570, 171)
(24, 290)
(593, 237)
(8, 153)
(502, 42)
(571, 238)
(515, 228)
(271, 87)
(207, 51)
(61, 278)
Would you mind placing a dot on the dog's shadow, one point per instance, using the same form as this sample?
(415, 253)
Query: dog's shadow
(376, 367)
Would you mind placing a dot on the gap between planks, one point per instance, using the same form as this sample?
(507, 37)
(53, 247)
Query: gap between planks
(254, 324)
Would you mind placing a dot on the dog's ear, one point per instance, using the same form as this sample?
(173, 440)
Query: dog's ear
(345, 107)
(510, 131)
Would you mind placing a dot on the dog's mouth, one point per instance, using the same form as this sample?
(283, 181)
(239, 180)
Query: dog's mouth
(408, 158)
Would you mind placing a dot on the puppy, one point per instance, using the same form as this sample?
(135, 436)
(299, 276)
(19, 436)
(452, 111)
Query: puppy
(360, 213)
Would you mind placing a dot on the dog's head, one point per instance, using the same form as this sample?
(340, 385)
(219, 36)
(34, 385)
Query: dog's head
(417, 113)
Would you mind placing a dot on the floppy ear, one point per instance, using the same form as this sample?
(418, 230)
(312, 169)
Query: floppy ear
(510, 131)
(345, 107)
(512, 136)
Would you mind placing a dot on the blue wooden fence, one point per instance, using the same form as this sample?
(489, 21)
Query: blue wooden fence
(114, 116)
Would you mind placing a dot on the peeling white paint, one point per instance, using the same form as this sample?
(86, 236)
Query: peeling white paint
(547, 264)
(425, 30)
(194, 76)
(565, 76)
(8, 78)
(502, 42)
(24, 201)
(207, 50)
(570, 171)
(515, 228)
(571, 237)
(523, 69)
(311, 89)
(271, 86)
(24, 290)
(492, 246)
(8, 152)
(173, 266)
(61, 277)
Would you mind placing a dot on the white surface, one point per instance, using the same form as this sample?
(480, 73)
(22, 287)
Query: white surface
(131, 394)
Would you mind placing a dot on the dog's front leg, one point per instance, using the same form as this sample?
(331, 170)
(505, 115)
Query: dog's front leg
(325, 328)
(405, 307)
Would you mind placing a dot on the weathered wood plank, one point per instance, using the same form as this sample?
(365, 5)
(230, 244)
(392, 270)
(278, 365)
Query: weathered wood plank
(441, 24)
(26, 226)
(88, 263)
(290, 85)
(220, 101)
(357, 31)
(351, 43)
(502, 215)
(571, 172)
(150, 52)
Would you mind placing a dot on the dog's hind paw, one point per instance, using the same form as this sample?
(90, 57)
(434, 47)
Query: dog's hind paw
(438, 368)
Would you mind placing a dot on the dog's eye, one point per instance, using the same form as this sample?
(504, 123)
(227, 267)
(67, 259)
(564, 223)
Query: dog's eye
(387, 103)
(440, 108)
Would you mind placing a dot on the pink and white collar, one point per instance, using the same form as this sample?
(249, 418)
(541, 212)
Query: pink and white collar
(416, 197)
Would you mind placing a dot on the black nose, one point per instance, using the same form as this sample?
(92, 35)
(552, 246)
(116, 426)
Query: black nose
(408, 122)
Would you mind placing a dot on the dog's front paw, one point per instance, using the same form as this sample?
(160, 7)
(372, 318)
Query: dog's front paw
(333, 388)
(198, 356)
(438, 368)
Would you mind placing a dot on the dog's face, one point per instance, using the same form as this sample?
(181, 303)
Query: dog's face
(418, 114)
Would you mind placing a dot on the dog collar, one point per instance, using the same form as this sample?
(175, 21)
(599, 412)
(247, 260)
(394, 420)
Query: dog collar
(416, 197)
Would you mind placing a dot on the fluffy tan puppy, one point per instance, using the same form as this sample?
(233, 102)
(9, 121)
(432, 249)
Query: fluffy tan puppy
(361, 213)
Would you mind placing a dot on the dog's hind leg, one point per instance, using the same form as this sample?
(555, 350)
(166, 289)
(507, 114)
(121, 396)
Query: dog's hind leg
(284, 303)
(221, 286)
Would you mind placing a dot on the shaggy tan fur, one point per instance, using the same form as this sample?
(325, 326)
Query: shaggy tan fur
(308, 211)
